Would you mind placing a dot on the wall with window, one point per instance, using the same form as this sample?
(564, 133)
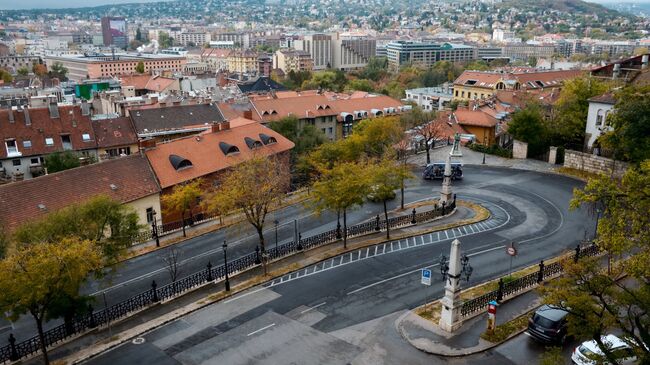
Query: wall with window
(597, 121)
(141, 205)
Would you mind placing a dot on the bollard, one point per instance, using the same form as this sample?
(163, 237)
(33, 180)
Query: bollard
(577, 255)
(540, 274)
(13, 356)
(91, 321)
(377, 223)
(257, 255)
(299, 247)
(413, 217)
(500, 291)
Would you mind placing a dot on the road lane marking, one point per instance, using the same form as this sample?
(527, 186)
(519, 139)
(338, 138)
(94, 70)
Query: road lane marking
(391, 278)
(313, 307)
(245, 294)
(261, 329)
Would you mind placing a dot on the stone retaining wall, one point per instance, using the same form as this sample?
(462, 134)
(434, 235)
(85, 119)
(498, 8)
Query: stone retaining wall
(593, 164)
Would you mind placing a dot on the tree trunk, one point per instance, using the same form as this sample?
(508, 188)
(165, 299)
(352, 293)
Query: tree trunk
(41, 337)
(387, 225)
(260, 233)
(608, 353)
(401, 189)
(183, 222)
(345, 229)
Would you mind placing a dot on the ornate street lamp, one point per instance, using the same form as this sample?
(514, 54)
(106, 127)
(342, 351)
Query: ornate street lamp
(225, 264)
(154, 227)
(444, 266)
(467, 268)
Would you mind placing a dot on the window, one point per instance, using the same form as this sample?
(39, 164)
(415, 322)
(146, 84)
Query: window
(67, 144)
(85, 137)
(330, 130)
(150, 215)
(34, 161)
(16, 162)
(27, 143)
(12, 148)
(599, 117)
(49, 141)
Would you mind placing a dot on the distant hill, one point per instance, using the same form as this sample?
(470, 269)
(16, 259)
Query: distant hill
(576, 7)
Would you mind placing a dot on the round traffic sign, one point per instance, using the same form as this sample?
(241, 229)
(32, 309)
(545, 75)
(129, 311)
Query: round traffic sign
(511, 251)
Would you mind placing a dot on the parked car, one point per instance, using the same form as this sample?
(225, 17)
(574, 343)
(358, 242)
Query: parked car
(588, 353)
(548, 324)
(436, 170)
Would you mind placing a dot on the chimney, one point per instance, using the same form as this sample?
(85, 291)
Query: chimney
(146, 144)
(85, 107)
(28, 120)
(644, 61)
(225, 125)
(617, 71)
(215, 127)
(11, 115)
(248, 114)
(54, 110)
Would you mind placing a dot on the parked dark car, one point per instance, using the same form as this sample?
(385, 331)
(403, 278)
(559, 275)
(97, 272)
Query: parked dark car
(436, 170)
(548, 325)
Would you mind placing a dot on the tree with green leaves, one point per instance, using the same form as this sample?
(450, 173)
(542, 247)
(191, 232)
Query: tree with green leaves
(139, 68)
(528, 125)
(183, 199)
(599, 298)
(5, 76)
(630, 139)
(359, 85)
(164, 40)
(341, 188)
(59, 71)
(37, 276)
(23, 71)
(104, 221)
(386, 176)
(568, 125)
(306, 137)
(60, 161)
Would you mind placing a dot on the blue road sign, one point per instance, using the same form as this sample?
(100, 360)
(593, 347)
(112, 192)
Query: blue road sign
(426, 277)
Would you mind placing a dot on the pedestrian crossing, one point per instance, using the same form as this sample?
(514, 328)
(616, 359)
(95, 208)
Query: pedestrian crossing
(499, 218)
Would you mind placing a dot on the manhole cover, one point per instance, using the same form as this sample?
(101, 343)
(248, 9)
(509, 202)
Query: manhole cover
(138, 341)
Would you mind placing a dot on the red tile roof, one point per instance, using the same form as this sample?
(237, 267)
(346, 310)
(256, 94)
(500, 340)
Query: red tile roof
(527, 80)
(125, 180)
(474, 118)
(606, 98)
(206, 155)
(147, 82)
(114, 132)
(43, 125)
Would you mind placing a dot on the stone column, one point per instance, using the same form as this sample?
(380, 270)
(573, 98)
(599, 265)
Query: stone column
(552, 155)
(449, 318)
(445, 194)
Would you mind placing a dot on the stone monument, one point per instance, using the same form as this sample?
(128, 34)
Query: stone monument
(455, 150)
(449, 318)
(446, 195)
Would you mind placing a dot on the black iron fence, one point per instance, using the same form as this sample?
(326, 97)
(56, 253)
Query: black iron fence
(16, 351)
(512, 288)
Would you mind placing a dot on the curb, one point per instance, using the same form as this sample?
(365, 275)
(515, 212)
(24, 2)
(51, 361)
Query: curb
(175, 314)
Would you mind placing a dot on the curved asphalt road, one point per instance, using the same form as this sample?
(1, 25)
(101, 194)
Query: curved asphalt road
(327, 313)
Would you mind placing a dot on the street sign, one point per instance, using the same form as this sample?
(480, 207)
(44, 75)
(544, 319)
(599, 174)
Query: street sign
(426, 277)
(511, 250)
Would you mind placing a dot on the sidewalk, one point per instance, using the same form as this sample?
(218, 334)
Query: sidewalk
(471, 157)
(430, 338)
(99, 340)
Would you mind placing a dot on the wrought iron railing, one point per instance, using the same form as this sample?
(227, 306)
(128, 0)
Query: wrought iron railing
(512, 288)
(18, 350)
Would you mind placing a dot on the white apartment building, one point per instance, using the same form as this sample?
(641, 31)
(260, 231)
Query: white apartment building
(501, 35)
(196, 38)
(319, 46)
(599, 108)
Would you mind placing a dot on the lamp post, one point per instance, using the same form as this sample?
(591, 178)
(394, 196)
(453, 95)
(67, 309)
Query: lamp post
(484, 145)
(154, 227)
(467, 268)
(444, 266)
(225, 264)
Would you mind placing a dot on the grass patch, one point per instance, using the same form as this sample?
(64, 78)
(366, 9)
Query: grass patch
(430, 312)
(505, 330)
(577, 173)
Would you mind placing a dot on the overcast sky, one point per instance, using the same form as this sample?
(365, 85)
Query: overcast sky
(30, 4)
